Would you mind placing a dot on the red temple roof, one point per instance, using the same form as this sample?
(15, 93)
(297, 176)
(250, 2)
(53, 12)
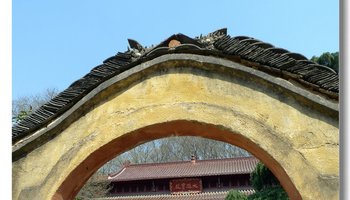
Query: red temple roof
(197, 168)
(200, 196)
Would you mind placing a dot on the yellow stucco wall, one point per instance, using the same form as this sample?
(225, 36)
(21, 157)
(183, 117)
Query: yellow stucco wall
(301, 140)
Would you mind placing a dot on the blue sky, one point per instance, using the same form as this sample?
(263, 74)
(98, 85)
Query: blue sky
(55, 43)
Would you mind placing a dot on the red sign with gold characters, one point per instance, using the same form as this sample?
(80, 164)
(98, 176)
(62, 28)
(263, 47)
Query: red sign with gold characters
(193, 185)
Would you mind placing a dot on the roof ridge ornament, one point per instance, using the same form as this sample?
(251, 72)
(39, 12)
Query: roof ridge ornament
(135, 45)
(209, 39)
(137, 49)
(177, 40)
(219, 33)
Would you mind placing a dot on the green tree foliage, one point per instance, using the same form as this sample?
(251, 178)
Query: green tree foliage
(328, 59)
(262, 177)
(266, 185)
(272, 192)
(235, 195)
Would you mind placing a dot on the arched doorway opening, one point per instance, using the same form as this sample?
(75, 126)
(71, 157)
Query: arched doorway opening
(178, 165)
(77, 178)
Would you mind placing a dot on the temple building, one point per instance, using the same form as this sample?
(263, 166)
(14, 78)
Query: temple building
(194, 179)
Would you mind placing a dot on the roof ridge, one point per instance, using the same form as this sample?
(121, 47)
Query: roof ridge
(213, 167)
(189, 162)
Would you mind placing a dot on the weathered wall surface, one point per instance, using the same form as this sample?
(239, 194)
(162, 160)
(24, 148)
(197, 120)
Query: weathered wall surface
(302, 140)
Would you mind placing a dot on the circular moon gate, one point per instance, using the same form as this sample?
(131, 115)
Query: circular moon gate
(291, 130)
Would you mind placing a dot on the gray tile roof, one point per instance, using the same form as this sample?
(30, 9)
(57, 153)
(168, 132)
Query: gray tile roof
(240, 165)
(245, 50)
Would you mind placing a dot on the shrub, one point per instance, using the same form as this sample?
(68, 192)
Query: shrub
(235, 195)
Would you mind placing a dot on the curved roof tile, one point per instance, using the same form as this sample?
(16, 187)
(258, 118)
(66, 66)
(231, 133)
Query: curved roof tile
(186, 169)
(262, 56)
